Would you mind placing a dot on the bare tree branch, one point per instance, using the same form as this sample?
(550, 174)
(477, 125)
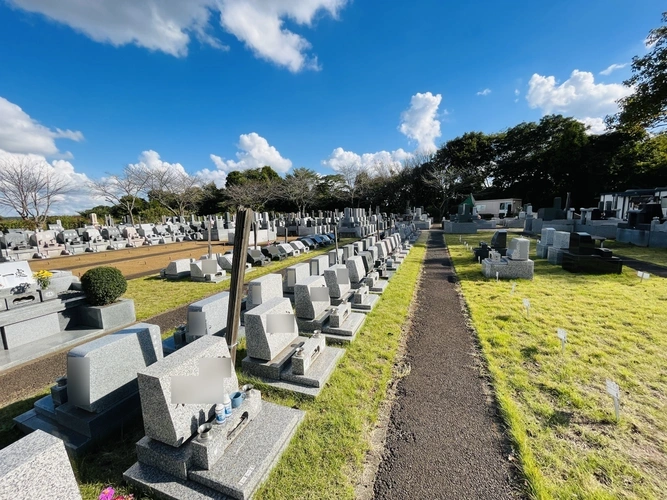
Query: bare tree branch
(123, 189)
(174, 190)
(30, 187)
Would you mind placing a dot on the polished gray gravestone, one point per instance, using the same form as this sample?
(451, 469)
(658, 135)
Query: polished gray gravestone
(100, 392)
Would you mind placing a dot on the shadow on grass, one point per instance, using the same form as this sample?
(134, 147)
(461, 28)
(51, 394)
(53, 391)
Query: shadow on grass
(559, 418)
(9, 433)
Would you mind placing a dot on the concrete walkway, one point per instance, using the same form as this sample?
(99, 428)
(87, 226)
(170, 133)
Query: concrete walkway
(443, 439)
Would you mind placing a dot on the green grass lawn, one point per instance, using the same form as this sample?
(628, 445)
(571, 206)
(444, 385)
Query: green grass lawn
(559, 416)
(325, 457)
(153, 295)
(653, 255)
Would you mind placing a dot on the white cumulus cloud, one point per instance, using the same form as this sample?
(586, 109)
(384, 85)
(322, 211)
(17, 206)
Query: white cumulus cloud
(595, 125)
(419, 122)
(611, 68)
(151, 160)
(255, 152)
(19, 133)
(484, 92)
(259, 24)
(371, 162)
(169, 25)
(578, 96)
(218, 177)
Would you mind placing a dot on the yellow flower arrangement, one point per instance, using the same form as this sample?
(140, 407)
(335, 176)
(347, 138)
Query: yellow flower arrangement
(43, 278)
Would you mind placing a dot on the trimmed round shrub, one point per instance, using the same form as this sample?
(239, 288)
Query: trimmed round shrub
(103, 285)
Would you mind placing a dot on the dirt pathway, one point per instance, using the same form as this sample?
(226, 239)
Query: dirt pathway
(443, 439)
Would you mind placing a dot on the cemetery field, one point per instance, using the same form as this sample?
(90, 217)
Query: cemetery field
(325, 458)
(153, 295)
(653, 255)
(559, 416)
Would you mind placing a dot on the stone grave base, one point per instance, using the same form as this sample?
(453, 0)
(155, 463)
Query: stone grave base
(347, 332)
(239, 472)
(177, 276)
(379, 287)
(591, 264)
(508, 269)
(369, 303)
(542, 250)
(278, 371)
(555, 255)
(387, 275)
(317, 375)
(336, 301)
(78, 429)
(310, 325)
(210, 278)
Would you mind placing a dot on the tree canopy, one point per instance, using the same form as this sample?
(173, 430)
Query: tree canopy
(647, 106)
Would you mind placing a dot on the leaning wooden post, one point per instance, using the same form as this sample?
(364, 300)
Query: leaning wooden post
(210, 251)
(244, 219)
(254, 227)
(336, 240)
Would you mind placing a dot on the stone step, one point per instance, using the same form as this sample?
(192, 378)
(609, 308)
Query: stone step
(99, 424)
(45, 407)
(245, 465)
(31, 421)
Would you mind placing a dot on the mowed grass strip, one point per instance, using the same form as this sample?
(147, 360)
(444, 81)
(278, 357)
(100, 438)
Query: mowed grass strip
(327, 452)
(153, 295)
(558, 412)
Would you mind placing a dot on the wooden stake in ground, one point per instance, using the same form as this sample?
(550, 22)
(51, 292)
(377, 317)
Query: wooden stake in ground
(210, 251)
(244, 219)
(336, 239)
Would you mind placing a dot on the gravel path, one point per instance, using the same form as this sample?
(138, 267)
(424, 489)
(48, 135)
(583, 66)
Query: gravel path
(443, 439)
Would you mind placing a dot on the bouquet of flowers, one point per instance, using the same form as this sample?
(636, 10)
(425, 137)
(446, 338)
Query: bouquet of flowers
(43, 278)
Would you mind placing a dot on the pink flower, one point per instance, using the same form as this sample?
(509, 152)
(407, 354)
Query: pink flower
(107, 493)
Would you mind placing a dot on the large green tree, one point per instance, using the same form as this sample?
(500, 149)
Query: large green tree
(647, 106)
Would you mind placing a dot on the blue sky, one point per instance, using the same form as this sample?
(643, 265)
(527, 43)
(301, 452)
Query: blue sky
(210, 86)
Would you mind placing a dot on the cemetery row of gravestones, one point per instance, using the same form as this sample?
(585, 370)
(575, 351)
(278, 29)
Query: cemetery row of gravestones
(575, 252)
(213, 268)
(645, 226)
(205, 437)
(25, 245)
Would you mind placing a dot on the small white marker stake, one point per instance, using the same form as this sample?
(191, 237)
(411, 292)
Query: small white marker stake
(643, 276)
(459, 238)
(513, 288)
(615, 392)
(479, 259)
(526, 304)
(562, 335)
(496, 276)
